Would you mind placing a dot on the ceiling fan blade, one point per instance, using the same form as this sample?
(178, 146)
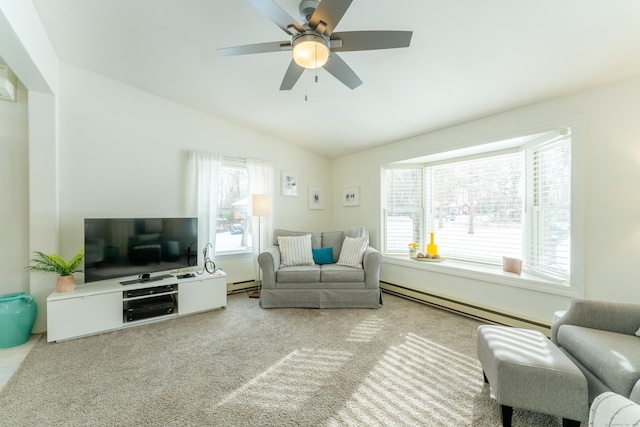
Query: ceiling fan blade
(291, 76)
(330, 12)
(371, 40)
(279, 17)
(255, 48)
(341, 71)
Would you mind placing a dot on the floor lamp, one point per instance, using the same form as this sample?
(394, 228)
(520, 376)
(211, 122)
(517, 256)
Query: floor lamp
(261, 204)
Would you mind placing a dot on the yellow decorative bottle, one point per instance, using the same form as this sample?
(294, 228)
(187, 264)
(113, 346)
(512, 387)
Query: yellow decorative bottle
(432, 248)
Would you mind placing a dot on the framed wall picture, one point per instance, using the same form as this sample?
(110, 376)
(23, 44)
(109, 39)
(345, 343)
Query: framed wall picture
(316, 199)
(289, 183)
(351, 196)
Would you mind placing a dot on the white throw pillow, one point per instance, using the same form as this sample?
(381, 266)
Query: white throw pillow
(295, 250)
(352, 251)
(638, 332)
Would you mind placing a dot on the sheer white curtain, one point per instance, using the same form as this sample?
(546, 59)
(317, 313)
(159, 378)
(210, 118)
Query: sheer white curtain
(202, 197)
(260, 182)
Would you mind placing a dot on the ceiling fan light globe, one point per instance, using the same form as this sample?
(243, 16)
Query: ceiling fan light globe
(310, 51)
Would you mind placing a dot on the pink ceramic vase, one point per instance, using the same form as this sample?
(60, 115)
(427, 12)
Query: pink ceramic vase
(66, 283)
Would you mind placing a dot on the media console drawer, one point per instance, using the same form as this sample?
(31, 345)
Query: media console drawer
(83, 315)
(107, 305)
(200, 295)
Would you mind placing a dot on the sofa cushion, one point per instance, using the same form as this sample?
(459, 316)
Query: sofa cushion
(316, 238)
(638, 332)
(323, 256)
(299, 274)
(333, 273)
(353, 251)
(295, 250)
(354, 232)
(333, 239)
(612, 357)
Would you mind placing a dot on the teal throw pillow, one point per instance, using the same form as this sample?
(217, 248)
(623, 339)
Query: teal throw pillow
(323, 256)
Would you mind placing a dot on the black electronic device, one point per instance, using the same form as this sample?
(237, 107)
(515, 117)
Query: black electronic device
(149, 307)
(149, 291)
(120, 247)
(145, 280)
(185, 276)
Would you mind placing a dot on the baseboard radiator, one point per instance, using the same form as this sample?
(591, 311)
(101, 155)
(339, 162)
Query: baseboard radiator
(483, 314)
(463, 308)
(237, 287)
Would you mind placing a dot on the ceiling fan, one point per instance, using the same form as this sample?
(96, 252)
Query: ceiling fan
(314, 44)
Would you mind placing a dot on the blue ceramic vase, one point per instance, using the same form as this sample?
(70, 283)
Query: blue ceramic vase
(17, 316)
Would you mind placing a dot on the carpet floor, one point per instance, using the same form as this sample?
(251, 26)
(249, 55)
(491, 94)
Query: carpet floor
(405, 364)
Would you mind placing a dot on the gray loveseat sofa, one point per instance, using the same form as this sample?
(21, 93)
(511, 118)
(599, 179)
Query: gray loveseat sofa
(600, 338)
(326, 285)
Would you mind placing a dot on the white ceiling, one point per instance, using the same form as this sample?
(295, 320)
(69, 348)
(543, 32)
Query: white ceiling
(467, 59)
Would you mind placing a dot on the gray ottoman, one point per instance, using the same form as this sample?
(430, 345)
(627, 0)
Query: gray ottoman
(526, 370)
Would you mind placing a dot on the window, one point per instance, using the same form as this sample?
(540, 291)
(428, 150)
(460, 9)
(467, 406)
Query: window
(232, 223)
(511, 198)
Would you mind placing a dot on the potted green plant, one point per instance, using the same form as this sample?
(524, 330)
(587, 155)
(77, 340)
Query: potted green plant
(54, 263)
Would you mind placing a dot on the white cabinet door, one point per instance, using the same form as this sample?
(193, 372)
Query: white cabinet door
(201, 295)
(83, 315)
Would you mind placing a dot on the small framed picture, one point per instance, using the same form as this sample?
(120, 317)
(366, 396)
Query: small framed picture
(289, 183)
(351, 196)
(315, 198)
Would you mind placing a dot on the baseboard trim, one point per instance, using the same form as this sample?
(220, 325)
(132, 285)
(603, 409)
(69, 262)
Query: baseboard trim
(237, 287)
(474, 311)
(467, 309)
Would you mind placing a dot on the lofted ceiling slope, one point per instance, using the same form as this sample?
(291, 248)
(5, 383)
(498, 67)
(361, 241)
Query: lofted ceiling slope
(468, 59)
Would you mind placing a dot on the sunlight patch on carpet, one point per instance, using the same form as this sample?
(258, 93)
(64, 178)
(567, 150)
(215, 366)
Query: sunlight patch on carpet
(291, 381)
(366, 330)
(415, 383)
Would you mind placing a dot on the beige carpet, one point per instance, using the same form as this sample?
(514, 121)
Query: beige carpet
(405, 364)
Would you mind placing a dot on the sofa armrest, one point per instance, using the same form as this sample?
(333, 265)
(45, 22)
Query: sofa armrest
(269, 261)
(372, 262)
(635, 393)
(607, 316)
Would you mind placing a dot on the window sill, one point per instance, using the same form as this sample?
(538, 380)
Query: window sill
(246, 253)
(486, 273)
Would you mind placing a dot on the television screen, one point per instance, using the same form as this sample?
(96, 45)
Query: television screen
(120, 247)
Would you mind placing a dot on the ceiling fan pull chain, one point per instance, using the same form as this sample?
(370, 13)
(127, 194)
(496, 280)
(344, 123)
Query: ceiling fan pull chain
(316, 68)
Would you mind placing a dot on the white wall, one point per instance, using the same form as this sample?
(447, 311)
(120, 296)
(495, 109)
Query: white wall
(14, 191)
(28, 52)
(611, 206)
(123, 153)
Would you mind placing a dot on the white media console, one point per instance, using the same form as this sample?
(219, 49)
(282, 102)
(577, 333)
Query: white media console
(108, 305)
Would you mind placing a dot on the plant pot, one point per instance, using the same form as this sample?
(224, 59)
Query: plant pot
(17, 316)
(66, 283)
(413, 254)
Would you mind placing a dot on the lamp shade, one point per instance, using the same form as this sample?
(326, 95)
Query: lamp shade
(261, 204)
(310, 51)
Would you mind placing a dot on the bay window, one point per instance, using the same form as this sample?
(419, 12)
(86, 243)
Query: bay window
(511, 198)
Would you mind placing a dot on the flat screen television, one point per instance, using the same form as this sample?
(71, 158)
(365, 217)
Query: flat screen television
(121, 247)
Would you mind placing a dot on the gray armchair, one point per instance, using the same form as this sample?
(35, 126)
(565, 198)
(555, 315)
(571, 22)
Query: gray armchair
(599, 337)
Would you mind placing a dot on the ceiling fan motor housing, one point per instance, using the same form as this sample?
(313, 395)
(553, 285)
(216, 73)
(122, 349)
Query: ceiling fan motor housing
(306, 8)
